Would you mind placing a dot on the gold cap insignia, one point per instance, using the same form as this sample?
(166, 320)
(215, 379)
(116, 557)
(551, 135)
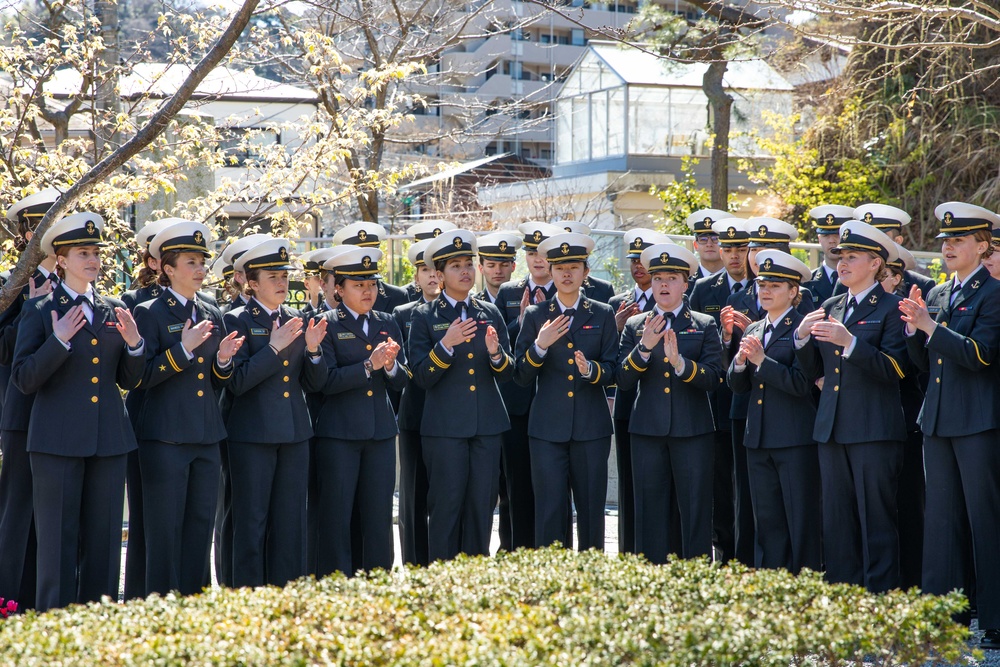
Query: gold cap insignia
(664, 257)
(503, 246)
(731, 232)
(768, 263)
(362, 235)
(366, 261)
(638, 242)
(457, 242)
(948, 218)
(708, 221)
(847, 232)
(537, 236)
(869, 217)
(199, 238)
(282, 253)
(564, 248)
(830, 219)
(90, 227)
(436, 232)
(568, 229)
(762, 230)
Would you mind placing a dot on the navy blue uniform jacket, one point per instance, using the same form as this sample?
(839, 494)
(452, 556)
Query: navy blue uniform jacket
(668, 404)
(567, 407)
(463, 388)
(78, 387)
(355, 406)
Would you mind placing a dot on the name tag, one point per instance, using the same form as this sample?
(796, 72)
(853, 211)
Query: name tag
(346, 335)
(713, 309)
(933, 309)
(442, 326)
(258, 332)
(174, 328)
(510, 304)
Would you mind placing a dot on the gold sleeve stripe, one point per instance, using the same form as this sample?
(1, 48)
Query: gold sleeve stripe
(694, 371)
(633, 364)
(976, 345)
(506, 362)
(899, 371)
(437, 361)
(597, 375)
(220, 375)
(527, 357)
(170, 360)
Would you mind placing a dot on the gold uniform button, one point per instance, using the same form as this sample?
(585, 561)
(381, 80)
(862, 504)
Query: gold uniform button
(93, 341)
(836, 370)
(94, 380)
(762, 386)
(285, 378)
(665, 360)
(472, 388)
(201, 376)
(286, 394)
(667, 374)
(836, 352)
(570, 394)
(938, 380)
(944, 324)
(368, 347)
(200, 393)
(940, 362)
(96, 361)
(836, 387)
(570, 362)
(471, 355)
(285, 362)
(569, 377)
(369, 393)
(760, 402)
(666, 390)
(201, 360)
(93, 399)
(570, 345)
(472, 371)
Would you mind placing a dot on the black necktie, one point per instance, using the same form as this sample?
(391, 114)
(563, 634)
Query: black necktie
(956, 288)
(737, 287)
(275, 320)
(462, 307)
(669, 317)
(363, 322)
(767, 332)
(851, 305)
(569, 312)
(642, 301)
(80, 300)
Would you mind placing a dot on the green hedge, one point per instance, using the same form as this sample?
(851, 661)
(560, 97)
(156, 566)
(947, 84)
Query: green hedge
(550, 606)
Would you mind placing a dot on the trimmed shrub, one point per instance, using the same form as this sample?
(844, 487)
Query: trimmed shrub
(541, 607)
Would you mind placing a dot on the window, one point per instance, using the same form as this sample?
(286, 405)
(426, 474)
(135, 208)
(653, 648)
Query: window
(546, 153)
(577, 38)
(545, 38)
(491, 149)
(246, 144)
(526, 153)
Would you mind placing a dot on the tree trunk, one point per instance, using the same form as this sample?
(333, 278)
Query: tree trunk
(722, 106)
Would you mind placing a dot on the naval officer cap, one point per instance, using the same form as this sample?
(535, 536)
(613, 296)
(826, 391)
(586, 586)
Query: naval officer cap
(364, 234)
(32, 208)
(905, 261)
(233, 251)
(857, 235)
(778, 265)
(428, 229)
(312, 260)
(768, 231)
(731, 231)
(961, 219)
(572, 226)
(535, 232)
(828, 218)
(151, 229)
(449, 245)
(640, 238)
(415, 253)
(567, 247)
(669, 257)
(701, 221)
(270, 255)
(183, 236)
(882, 216)
(355, 263)
(500, 246)
(79, 229)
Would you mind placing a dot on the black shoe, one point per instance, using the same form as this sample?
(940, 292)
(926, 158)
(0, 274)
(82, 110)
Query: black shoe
(990, 640)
